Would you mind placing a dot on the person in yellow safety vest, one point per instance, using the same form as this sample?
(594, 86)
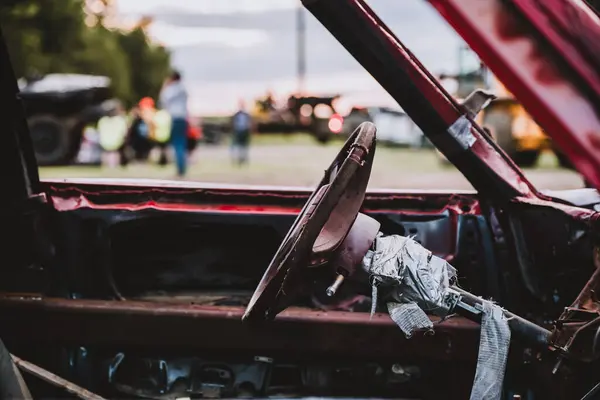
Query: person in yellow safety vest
(112, 132)
(162, 126)
(162, 133)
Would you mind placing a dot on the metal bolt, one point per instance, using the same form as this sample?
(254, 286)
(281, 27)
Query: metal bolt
(331, 290)
(398, 369)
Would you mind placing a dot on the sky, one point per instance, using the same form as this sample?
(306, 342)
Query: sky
(232, 49)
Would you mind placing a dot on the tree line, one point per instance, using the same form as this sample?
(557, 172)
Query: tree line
(47, 36)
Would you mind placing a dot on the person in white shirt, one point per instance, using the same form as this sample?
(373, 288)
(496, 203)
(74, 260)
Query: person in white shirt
(174, 99)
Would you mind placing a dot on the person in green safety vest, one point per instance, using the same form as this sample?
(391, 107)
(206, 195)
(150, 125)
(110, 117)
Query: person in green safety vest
(112, 131)
(162, 133)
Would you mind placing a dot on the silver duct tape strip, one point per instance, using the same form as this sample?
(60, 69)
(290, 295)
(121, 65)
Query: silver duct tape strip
(414, 275)
(493, 353)
(461, 131)
(409, 317)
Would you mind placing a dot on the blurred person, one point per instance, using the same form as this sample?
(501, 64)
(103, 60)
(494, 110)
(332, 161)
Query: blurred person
(162, 133)
(125, 152)
(149, 128)
(241, 124)
(174, 99)
(142, 128)
(137, 135)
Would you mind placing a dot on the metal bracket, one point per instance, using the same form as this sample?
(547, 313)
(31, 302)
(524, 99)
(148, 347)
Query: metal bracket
(477, 101)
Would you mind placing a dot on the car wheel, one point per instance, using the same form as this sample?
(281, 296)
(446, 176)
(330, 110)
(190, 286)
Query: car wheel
(563, 160)
(499, 122)
(526, 158)
(323, 139)
(52, 141)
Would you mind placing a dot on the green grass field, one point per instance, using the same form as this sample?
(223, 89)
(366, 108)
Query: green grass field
(297, 160)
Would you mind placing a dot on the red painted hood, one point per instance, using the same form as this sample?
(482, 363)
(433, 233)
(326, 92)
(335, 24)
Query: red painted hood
(547, 53)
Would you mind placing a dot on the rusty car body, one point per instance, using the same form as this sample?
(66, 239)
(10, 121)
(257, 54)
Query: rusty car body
(136, 289)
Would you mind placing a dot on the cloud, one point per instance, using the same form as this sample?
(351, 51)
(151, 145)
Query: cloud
(174, 37)
(212, 7)
(247, 46)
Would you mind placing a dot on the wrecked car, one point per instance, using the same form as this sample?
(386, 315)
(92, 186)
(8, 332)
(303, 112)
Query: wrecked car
(149, 289)
(58, 109)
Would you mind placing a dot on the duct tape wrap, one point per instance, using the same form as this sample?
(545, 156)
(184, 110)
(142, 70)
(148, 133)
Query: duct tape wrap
(419, 283)
(461, 131)
(493, 352)
(408, 317)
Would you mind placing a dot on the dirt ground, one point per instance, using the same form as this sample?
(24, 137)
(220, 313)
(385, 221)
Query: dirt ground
(299, 161)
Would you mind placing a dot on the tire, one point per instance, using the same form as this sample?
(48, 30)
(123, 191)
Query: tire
(323, 137)
(52, 141)
(212, 134)
(563, 160)
(499, 121)
(526, 158)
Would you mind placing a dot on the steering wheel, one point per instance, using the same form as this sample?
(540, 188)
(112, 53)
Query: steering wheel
(321, 227)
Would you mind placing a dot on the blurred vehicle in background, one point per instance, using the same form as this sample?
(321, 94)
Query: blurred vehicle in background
(300, 114)
(213, 131)
(394, 127)
(59, 107)
(514, 130)
(508, 122)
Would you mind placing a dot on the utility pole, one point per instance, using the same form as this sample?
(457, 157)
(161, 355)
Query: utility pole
(301, 46)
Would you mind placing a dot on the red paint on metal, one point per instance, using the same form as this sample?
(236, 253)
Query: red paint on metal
(577, 213)
(573, 30)
(74, 195)
(74, 203)
(538, 56)
(79, 202)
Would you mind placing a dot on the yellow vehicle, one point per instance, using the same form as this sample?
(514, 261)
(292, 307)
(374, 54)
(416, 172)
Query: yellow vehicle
(512, 127)
(508, 122)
